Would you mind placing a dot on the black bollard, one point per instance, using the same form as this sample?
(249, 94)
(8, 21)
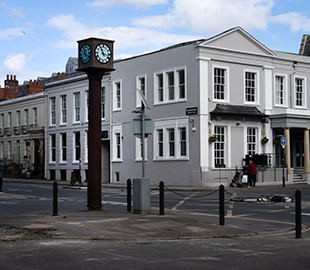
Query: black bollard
(298, 213)
(222, 204)
(55, 199)
(128, 195)
(161, 198)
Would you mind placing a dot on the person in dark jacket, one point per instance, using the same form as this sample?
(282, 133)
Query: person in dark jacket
(1, 175)
(252, 174)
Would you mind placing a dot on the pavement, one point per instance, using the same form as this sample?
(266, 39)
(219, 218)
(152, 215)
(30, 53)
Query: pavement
(124, 226)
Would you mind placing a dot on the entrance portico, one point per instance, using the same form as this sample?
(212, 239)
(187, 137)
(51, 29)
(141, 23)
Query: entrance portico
(297, 149)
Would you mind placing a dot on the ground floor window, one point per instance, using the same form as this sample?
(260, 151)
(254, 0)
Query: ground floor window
(219, 147)
(117, 143)
(52, 147)
(171, 139)
(251, 141)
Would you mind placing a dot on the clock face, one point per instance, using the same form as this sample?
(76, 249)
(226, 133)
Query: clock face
(103, 53)
(85, 53)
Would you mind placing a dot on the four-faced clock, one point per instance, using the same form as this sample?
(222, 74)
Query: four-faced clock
(85, 53)
(103, 53)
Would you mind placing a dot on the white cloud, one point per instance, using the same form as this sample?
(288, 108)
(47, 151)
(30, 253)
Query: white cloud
(125, 37)
(16, 12)
(13, 32)
(13, 11)
(296, 21)
(134, 3)
(212, 16)
(15, 63)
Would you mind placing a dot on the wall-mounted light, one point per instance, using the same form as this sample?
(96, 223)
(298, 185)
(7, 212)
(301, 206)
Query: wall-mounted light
(191, 119)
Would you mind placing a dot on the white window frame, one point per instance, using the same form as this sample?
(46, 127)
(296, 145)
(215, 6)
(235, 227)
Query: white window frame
(18, 119)
(9, 150)
(63, 112)
(138, 149)
(304, 93)
(10, 120)
(75, 147)
(226, 83)
(62, 147)
(2, 150)
(52, 148)
(2, 122)
(76, 107)
(52, 111)
(35, 116)
(26, 149)
(103, 103)
(142, 87)
(277, 90)
(250, 142)
(165, 126)
(221, 139)
(117, 142)
(26, 117)
(117, 96)
(86, 147)
(257, 87)
(86, 105)
(166, 92)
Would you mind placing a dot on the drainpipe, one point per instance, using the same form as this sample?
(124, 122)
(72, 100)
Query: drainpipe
(111, 132)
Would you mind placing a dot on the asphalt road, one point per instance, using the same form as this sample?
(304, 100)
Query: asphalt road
(203, 202)
(261, 252)
(275, 251)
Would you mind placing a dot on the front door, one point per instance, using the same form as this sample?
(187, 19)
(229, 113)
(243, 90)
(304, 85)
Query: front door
(299, 153)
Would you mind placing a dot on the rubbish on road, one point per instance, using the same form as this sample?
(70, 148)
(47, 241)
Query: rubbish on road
(263, 198)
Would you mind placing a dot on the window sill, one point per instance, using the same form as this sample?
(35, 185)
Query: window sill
(171, 159)
(300, 108)
(170, 102)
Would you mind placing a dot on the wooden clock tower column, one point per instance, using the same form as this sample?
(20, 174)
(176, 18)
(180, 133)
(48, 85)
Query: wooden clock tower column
(96, 60)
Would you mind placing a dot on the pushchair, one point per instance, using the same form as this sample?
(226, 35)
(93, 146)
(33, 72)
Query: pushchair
(237, 180)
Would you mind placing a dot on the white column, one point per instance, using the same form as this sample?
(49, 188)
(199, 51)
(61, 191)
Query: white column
(203, 113)
(306, 151)
(287, 149)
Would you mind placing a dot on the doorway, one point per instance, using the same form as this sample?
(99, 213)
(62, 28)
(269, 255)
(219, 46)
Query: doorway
(299, 153)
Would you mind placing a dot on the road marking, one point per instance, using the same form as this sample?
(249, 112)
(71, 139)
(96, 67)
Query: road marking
(183, 201)
(275, 211)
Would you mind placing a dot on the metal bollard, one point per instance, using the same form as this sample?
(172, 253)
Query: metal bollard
(298, 213)
(128, 195)
(222, 204)
(161, 198)
(55, 199)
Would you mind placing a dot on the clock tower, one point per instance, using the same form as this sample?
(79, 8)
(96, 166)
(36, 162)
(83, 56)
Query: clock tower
(95, 59)
(95, 53)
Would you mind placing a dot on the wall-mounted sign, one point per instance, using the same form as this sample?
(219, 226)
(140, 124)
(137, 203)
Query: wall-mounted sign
(193, 110)
(104, 134)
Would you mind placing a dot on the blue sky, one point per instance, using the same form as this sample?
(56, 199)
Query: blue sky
(37, 37)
